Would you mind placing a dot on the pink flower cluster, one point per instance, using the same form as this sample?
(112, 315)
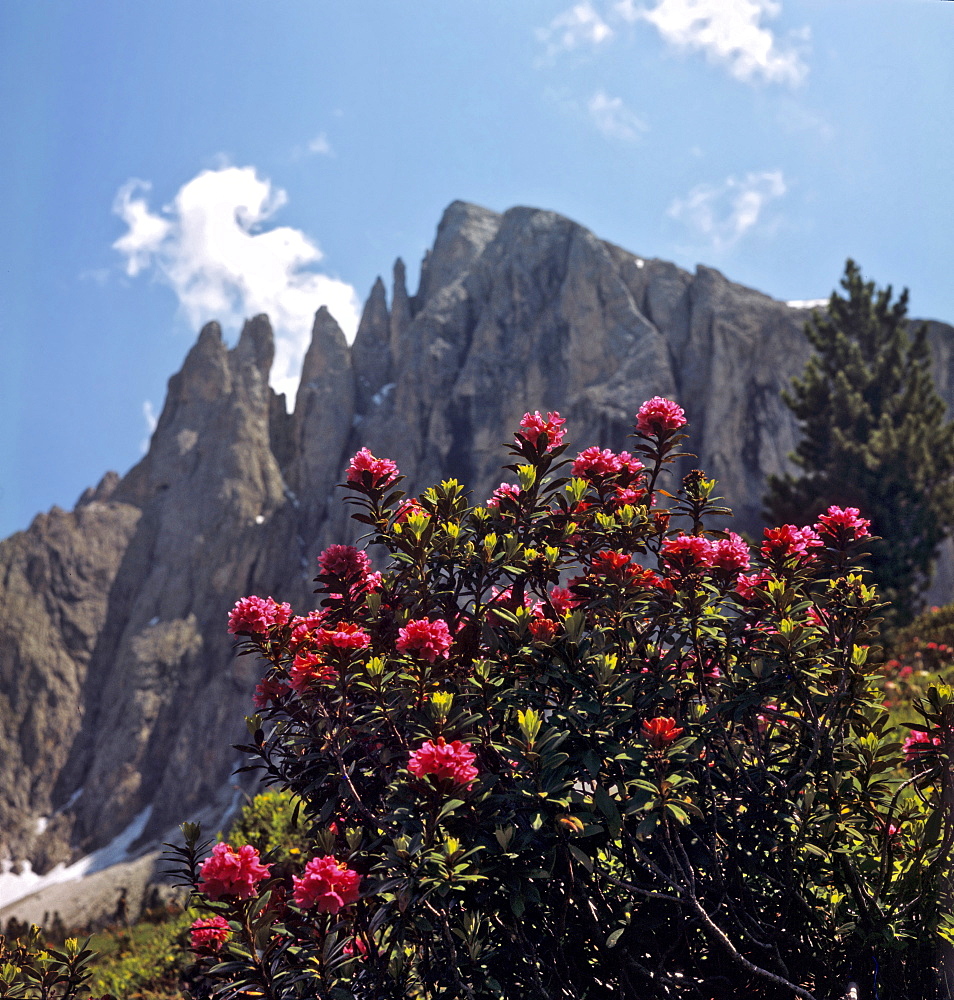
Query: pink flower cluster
(351, 566)
(788, 541)
(731, 554)
(268, 690)
(563, 600)
(503, 492)
(533, 425)
(593, 463)
(232, 873)
(919, 743)
(454, 761)
(345, 561)
(425, 638)
(308, 671)
(688, 553)
(378, 472)
(209, 933)
(344, 635)
(326, 884)
(843, 523)
(255, 615)
(659, 416)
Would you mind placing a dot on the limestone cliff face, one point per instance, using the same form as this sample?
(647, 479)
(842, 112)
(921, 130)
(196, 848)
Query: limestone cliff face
(119, 691)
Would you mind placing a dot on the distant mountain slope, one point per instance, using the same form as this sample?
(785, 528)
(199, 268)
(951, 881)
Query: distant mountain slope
(118, 688)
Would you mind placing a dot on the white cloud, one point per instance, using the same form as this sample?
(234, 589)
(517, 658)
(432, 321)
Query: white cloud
(730, 32)
(149, 415)
(614, 119)
(579, 26)
(722, 214)
(210, 246)
(320, 145)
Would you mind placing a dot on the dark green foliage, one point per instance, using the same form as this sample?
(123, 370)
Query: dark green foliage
(874, 436)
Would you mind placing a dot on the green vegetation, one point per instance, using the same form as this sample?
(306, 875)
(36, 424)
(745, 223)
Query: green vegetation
(874, 436)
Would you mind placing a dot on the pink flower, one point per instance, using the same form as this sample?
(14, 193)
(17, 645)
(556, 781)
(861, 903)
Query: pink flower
(592, 463)
(658, 416)
(843, 523)
(688, 553)
(454, 761)
(919, 743)
(267, 690)
(345, 635)
(406, 508)
(428, 639)
(364, 466)
(533, 425)
(731, 554)
(503, 492)
(661, 731)
(562, 600)
(327, 884)
(788, 541)
(232, 873)
(746, 586)
(209, 933)
(309, 670)
(345, 561)
(255, 615)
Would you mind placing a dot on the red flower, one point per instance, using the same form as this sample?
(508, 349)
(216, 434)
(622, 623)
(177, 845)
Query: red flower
(543, 629)
(661, 731)
(658, 416)
(255, 615)
(445, 760)
(380, 471)
(327, 884)
(209, 933)
(406, 508)
(428, 639)
(533, 425)
(232, 873)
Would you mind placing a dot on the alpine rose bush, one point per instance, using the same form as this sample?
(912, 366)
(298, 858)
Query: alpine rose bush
(209, 933)
(588, 745)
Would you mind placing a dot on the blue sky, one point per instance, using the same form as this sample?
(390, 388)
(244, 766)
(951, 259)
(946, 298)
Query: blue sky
(170, 163)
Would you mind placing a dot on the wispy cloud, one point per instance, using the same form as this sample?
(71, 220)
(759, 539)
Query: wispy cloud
(149, 415)
(614, 119)
(578, 27)
(212, 247)
(729, 32)
(723, 213)
(320, 145)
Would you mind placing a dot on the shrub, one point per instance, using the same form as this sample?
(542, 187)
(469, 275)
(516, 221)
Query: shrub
(574, 742)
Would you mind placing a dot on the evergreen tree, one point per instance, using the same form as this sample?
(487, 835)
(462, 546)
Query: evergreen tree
(874, 436)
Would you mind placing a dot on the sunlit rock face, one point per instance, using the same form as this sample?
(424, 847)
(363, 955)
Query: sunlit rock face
(119, 690)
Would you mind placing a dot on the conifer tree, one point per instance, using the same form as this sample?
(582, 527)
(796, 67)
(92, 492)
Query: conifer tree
(874, 436)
